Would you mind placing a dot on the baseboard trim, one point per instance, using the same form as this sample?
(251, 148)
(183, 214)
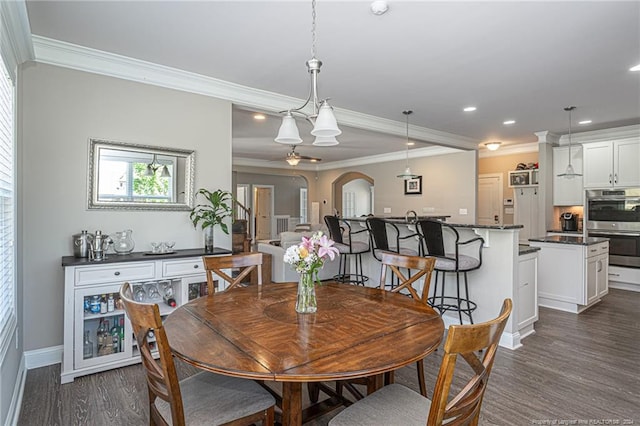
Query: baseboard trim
(507, 340)
(624, 286)
(13, 415)
(43, 357)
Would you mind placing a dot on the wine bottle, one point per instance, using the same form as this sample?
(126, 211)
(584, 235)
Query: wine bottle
(111, 302)
(103, 304)
(169, 300)
(115, 336)
(88, 346)
(121, 334)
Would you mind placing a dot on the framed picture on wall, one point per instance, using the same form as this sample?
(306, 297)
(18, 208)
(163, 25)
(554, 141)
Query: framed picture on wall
(413, 186)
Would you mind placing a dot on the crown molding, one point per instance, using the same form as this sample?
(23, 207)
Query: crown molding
(372, 159)
(615, 133)
(509, 150)
(15, 34)
(59, 53)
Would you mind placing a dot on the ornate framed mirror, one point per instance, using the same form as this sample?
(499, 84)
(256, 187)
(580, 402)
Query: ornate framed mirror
(126, 176)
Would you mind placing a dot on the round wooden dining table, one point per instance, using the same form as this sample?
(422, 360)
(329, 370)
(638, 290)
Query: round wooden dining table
(254, 332)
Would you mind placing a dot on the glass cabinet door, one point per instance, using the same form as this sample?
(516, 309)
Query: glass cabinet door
(102, 331)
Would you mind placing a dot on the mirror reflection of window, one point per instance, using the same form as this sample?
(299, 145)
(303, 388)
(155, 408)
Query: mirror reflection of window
(136, 177)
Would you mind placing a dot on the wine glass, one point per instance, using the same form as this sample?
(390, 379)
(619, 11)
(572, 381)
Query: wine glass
(155, 247)
(169, 245)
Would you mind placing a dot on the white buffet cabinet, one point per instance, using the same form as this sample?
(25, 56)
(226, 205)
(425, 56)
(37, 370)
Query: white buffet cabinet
(183, 270)
(573, 272)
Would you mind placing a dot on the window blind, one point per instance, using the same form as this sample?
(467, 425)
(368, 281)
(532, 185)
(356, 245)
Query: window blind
(7, 219)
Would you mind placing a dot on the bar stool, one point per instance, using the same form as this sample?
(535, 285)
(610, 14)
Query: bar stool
(379, 235)
(347, 248)
(433, 236)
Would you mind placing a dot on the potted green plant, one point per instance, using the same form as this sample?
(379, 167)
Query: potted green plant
(212, 212)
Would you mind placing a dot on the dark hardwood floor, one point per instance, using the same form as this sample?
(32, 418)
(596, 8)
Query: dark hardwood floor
(576, 369)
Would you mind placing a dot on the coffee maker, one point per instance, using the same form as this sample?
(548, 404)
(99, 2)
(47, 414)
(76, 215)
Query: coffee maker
(569, 221)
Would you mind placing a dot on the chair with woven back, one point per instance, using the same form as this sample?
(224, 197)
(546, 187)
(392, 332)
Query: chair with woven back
(397, 404)
(217, 264)
(201, 399)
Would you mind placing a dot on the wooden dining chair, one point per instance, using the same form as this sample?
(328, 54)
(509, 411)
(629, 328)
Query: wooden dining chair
(217, 264)
(417, 267)
(202, 399)
(397, 404)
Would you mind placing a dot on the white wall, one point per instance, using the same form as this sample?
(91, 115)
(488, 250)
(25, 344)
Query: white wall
(60, 110)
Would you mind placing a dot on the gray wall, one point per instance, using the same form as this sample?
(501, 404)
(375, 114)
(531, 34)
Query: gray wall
(448, 184)
(59, 110)
(286, 189)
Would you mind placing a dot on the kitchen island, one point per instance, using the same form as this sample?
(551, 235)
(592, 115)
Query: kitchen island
(498, 278)
(574, 272)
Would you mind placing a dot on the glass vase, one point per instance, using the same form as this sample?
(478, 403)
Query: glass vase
(208, 239)
(306, 302)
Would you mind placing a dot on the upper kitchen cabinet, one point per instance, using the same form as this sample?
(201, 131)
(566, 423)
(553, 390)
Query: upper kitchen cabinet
(567, 192)
(612, 164)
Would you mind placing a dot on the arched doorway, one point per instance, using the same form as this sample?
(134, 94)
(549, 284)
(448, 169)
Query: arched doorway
(359, 194)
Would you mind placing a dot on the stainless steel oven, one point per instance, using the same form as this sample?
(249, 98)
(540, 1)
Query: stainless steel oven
(615, 214)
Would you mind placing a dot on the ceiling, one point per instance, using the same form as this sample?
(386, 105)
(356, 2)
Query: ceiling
(524, 61)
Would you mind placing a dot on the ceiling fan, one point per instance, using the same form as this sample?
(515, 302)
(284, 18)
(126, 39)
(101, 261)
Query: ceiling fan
(293, 158)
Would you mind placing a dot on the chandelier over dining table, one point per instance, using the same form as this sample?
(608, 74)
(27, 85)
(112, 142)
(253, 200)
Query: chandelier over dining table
(325, 126)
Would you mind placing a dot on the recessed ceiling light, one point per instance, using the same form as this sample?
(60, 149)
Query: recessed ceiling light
(379, 7)
(636, 68)
(469, 109)
(411, 143)
(508, 122)
(584, 122)
(259, 117)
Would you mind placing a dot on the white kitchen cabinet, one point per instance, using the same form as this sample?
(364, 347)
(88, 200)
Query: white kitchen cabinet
(527, 302)
(572, 277)
(567, 192)
(624, 278)
(612, 164)
(85, 280)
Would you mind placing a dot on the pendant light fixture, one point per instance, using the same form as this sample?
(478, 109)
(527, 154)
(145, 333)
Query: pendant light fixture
(325, 126)
(406, 175)
(569, 172)
(154, 165)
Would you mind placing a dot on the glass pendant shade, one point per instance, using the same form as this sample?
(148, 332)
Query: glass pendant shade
(149, 171)
(569, 172)
(288, 133)
(165, 172)
(326, 124)
(325, 141)
(407, 174)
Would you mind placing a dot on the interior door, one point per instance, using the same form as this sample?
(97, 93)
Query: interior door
(489, 199)
(263, 204)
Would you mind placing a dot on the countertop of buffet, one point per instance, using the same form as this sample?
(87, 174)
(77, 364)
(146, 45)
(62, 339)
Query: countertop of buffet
(138, 256)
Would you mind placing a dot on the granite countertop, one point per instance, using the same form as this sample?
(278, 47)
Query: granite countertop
(569, 239)
(522, 249)
(403, 221)
(395, 219)
(141, 256)
(560, 231)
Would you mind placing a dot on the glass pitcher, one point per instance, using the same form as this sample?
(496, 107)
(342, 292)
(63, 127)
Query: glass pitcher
(123, 241)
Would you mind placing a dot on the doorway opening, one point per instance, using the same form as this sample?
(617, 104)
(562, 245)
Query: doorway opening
(353, 195)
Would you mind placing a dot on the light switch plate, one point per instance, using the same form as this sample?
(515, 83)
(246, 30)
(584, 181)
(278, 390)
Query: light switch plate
(462, 211)
(387, 210)
(508, 210)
